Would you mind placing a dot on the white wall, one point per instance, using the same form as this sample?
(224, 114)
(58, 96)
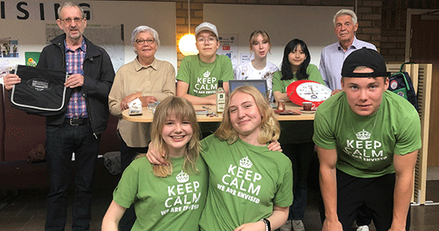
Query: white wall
(312, 24)
(32, 37)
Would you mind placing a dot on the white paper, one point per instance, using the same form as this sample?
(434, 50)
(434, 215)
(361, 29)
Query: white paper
(4, 70)
(135, 106)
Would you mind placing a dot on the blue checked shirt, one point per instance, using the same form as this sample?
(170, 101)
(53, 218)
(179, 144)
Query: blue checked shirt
(77, 107)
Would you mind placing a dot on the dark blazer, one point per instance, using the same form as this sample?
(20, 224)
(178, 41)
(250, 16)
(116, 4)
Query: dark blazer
(98, 79)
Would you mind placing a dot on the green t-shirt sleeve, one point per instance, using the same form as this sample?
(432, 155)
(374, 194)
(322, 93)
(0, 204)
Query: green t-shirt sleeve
(323, 135)
(314, 74)
(125, 192)
(227, 69)
(284, 195)
(277, 83)
(409, 138)
(184, 70)
(205, 144)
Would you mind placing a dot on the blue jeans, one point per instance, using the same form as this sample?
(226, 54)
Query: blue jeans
(300, 155)
(61, 142)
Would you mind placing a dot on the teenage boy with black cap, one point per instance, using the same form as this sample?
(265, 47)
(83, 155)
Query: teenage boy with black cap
(367, 141)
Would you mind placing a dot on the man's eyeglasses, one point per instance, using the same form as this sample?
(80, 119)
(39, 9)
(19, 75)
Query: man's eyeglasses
(142, 41)
(70, 20)
(208, 40)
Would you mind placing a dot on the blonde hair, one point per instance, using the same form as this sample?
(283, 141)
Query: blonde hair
(270, 128)
(255, 34)
(182, 110)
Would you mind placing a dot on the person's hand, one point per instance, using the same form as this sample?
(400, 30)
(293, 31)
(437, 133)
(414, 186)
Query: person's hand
(129, 98)
(255, 226)
(275, 146)
(154, 156)
(332, 225)
(10, 80)
(75, 80)
(336, 91)
(147, 100)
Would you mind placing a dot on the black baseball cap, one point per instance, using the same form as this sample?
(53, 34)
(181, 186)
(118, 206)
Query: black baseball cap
(368, 58)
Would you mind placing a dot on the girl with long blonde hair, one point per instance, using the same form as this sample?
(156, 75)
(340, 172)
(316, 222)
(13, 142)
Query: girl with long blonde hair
(165, 197)
(249, 185)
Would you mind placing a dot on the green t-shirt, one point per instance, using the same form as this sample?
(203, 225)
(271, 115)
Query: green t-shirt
(171, 203)
(366, 144)
(245, 181)
(294, 132)
(203, 77)
(281, 85)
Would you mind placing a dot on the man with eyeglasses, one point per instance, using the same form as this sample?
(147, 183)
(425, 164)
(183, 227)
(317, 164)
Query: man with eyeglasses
(79, 127)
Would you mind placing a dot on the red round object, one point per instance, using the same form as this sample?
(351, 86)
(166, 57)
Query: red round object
(308, 91)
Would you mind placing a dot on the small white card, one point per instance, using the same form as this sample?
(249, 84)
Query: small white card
(135, 107)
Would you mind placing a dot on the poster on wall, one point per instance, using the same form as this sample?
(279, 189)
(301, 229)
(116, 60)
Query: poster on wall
(32, 58)
(229, 47)
(9, 48)
(19, 18)
(108, 37)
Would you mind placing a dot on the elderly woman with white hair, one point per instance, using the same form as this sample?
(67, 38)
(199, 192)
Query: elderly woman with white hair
(147, 79)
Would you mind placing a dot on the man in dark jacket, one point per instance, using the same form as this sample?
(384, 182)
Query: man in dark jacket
(78, 129)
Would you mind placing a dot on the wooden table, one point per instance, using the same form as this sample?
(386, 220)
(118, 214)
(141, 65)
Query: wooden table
(147, 115)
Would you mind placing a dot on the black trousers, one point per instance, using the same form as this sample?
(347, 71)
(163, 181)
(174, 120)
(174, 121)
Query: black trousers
(61, 142)
(300, 156)
(376, 194)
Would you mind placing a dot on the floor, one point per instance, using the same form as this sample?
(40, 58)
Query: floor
(25, 210)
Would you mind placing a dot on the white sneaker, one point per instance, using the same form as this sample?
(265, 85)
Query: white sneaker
(363, 228)
(286, 226)
(298, 225)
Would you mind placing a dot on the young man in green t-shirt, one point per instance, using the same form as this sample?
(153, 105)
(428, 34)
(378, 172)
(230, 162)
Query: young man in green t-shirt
(367, 141)
(198, 76)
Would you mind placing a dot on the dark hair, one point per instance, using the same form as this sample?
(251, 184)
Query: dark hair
(287, 73)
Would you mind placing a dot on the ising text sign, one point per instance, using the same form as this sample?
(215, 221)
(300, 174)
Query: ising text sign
(23, 10)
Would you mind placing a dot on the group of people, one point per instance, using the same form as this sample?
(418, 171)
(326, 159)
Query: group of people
(179, 176)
